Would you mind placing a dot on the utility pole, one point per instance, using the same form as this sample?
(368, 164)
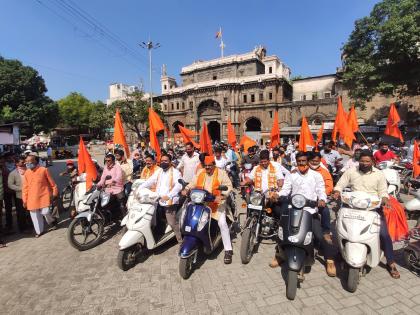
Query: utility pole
(150, 46)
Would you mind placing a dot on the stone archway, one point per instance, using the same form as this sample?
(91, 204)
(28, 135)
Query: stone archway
(210, 111)
(175, 126)
(253, 125)
(214, 130)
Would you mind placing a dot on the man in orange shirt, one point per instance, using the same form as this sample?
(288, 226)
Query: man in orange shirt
(315, 164)
(38, 190)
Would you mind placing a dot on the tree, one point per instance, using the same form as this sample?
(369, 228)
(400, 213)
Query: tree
(101, 117)
(75, 111)
(134, 112)
(22, 97)
(382, 54)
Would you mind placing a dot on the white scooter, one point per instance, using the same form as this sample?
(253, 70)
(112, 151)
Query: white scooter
(392, 176)
(412, 207)
(140, 235)
(358, 234)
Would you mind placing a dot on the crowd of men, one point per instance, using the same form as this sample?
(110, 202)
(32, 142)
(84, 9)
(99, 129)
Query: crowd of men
(280, 171)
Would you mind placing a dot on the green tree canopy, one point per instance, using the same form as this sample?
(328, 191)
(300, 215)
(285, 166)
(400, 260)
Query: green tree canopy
(75, 111)
(22, 97)
(382, 54)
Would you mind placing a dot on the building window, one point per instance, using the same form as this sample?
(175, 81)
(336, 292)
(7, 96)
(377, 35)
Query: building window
(245, 99)
(214, 77)
(270, 96)
(172, 106)
(177, 105)
(164, 87)
(225, 100)
(252, 98)
(270, 69)
(303, 97)
(314, 95)
(271, 114)
(261, 97)
(191, 104)
(166, 107)
(327, 94)
(183, 105)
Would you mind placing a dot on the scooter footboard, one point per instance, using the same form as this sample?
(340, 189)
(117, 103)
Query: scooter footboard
(296, 257)
(189, 246)
(355, 254)
(129, 239)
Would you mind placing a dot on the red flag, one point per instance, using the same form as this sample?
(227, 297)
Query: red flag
(119, 136)
(319, 134)
(187, 135)
(88, 165)
(247, 142)
(416, 160)
(275, 132)
(305, 136)
(392, 124)
(155, 125)
(205, 142)
(352, 120)
(81, 168)
(231, 135)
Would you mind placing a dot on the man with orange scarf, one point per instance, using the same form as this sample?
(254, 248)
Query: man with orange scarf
(210, 179)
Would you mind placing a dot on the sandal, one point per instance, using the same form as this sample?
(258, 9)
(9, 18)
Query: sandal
(393, 271)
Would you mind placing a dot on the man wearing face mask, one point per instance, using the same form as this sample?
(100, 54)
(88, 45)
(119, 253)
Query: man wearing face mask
(71, 171)
(353, 162)
(331, 156)
(277, 160)
(369, 179)
(38, 191)
(384, 154)
(251, 157)
(188, 163)
(165, 180)
(9, 195)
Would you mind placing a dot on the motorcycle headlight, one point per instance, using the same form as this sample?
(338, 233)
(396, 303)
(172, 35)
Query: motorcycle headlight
(105, 197)
(197, 196)
(360, 203)
(280, 233)
(203, 220)
(298, 201)
(256, 198)
(382, 165)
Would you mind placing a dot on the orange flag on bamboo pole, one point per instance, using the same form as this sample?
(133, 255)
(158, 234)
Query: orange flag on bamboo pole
(188, 135)
(231, 135)
(305, 136)
(392, 124)
(247, 142)
(88, 166)
(341, 126)
(205, 141)
(275, 132)
(352, 120)
(119, 136)
(416, 160)
(155, 125)
(319, 134)
(81, 168)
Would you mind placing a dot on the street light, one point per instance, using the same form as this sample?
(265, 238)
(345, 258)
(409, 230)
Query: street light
(149, 46)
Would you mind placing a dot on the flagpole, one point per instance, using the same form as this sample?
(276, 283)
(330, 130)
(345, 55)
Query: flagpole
(363, 136)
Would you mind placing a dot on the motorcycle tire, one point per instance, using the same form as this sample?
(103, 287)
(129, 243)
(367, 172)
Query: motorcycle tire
(353, 279)
(247, 243)
(185, 267)
(127, 258)
(291, 284)
(83, 222)
(411, 261)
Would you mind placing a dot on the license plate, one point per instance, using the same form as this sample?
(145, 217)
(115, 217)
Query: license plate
(354, 217)
(251, 206)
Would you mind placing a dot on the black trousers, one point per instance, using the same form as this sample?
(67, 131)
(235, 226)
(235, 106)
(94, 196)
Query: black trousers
(8, 204)
(22, 216)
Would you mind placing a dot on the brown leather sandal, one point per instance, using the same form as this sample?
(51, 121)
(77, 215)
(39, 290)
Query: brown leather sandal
(393, 271)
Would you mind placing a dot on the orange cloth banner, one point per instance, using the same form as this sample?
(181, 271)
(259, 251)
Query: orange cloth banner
(247, 142)
(231, 135)
(392, 124)
(187, 135)
(275, 132)
(205, 141)
(119, 136)
(88, 165)
(155, 125)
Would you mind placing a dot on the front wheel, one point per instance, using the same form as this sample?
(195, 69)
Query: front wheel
(248, 243)
(84, 235)
(185, 267)
(127, 258)
(353, 279)
(291, 285)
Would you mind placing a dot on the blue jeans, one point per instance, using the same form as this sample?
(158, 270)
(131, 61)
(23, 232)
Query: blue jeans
(385, 239)
(325, 220)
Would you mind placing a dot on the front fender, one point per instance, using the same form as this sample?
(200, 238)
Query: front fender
(189, 246)
(85, 214)
(296, 257)
(129, 239)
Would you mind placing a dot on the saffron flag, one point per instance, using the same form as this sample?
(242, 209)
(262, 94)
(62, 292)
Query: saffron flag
(88, 165)
(219, 33)
(416, 160)
(352, 120)
(205, 141)
(341, 126)
(247, 142)
(275, 132)
(81, 168)
(231, 135)
(392, 124)
(119, 136)
(319, 134)
(188, 135)
(155, 125)
(305, 136)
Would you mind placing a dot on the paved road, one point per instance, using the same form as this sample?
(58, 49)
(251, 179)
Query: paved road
(47, 276)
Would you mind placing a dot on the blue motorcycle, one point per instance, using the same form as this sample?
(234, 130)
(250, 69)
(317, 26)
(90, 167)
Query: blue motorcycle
(199, 231)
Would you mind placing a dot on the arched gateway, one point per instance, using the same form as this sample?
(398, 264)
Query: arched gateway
(210, 112)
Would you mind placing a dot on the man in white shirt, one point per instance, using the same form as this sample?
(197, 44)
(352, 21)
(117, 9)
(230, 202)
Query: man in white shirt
(189, 163)
(331, 156)
(166, 181)
(221, 162)
(277, 159)
(310, 184)
(353, 162)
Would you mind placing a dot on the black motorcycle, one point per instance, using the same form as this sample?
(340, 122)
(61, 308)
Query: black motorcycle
(260, 224)
(296, 241)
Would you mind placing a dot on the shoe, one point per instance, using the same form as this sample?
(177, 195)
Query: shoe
(331, 271)
(393, 271)
(228, 257)
(276, 262)
(328, 238)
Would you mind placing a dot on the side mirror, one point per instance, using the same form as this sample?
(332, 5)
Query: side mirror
(108, 177)
(223, 188)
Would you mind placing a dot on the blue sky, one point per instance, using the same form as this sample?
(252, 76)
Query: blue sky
(73, 56)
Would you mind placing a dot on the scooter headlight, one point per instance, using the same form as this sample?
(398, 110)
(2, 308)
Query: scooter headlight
(382, 165)
(280, 233)
(105, 197)
(298, 201)
(308, 238)
(203, 220)
(197, 196)
(256, 198)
